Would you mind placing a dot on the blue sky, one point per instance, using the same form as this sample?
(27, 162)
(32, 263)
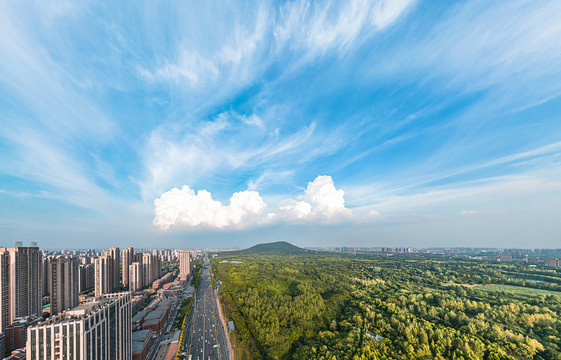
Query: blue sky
(367, 123)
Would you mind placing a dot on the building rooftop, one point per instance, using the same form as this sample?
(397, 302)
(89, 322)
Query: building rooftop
(140, 316)
(156, 314)
(151, 322)
(138, 346)
(141, 335)
(176, 336)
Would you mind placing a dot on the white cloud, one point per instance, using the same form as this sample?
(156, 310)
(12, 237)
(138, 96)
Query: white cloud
(318, 27)
(374, 213)
(182, 207)
(321, 200)
(468, 212)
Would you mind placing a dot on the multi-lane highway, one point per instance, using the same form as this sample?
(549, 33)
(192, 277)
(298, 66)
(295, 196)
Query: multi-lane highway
(207, 336)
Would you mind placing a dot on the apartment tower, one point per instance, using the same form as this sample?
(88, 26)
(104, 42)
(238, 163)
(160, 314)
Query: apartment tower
(128, 257)
(136, 277)
(63, 284)
(21, 277)
(185, 264)
(101, 329)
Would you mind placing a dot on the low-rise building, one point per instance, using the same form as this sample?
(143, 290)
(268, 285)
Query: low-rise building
(16, 334)
(142, 342)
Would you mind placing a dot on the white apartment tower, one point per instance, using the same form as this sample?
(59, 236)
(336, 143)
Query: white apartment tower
(128, 259)
(136, 278)
(102, 276)
(4, 291)
(107, 272)
(21, 283)
(63, 284)
(185, 264)
(97, 330)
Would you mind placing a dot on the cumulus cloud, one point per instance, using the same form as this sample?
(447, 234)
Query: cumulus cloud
(182, 207)
(321, 200)
(468, 212)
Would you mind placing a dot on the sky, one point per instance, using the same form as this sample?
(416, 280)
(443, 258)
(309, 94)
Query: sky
(230, 123)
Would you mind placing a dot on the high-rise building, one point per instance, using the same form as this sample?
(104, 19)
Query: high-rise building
(157, 266)
(86, 278)
(147, 268)
(2, 344)
(136, 277)
(46, 262)
(101, 329)
(63, 284)
(128, 257)
(116, 269)
(22, 281)
(107, 272)
(185, 264)
(102, 275)
(4, 291)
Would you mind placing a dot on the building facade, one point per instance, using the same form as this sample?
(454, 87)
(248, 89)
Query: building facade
(97, 330)
(185, 264)
(86, 278)
(21, 277)
(63, 284)
(136, 277)
(128, 257)
(115, 254)
(102, 275)
(4, 291)
(107, 272)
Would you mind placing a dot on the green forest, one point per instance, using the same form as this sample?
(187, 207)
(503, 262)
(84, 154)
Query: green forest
(307, 305)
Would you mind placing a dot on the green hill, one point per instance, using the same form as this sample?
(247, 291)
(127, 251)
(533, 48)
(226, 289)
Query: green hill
(281, 247)
(274, 248)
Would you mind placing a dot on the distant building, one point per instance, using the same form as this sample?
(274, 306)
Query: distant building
(116, 269)
(107, 272)
(63, 284)
(550, 262)
(86, 278)
(102, 275)
(128, 257)
(100, 329)
(21, 283)
(4, 292)
(46, 262)
(185, 264)
(534, 260)
(136, 277)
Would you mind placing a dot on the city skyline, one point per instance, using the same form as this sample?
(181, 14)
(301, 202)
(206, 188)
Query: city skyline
(385, 123)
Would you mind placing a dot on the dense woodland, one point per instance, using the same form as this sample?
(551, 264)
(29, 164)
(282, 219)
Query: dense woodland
(307, 305)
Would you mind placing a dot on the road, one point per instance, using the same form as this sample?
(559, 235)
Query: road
(165, 335)
(207, 336)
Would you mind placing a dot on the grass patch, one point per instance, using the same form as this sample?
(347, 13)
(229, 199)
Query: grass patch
(517, 290)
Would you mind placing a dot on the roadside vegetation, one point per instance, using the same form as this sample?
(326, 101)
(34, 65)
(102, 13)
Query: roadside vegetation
(212, 282)
(196, 278)
(321, 305)
(182, 313)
